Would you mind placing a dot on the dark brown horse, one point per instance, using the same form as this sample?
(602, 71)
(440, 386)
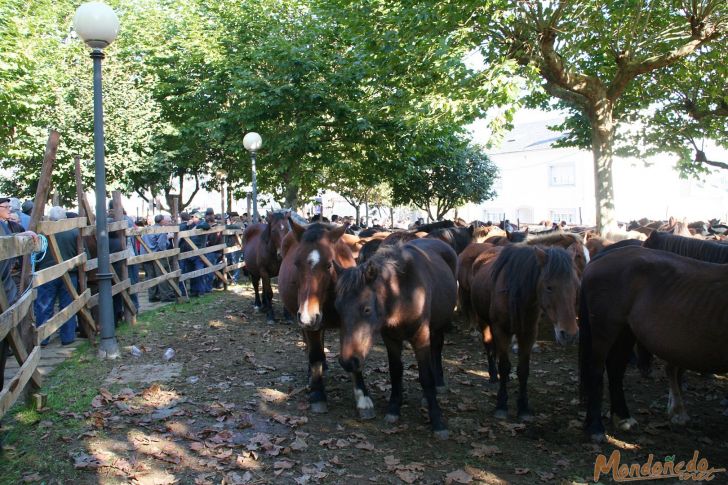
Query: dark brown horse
(475, 266)
(306, 283)
(674, 306)
(528, 284)
(263, 243)
(405, 292)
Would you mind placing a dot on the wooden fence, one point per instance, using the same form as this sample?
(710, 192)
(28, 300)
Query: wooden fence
(85, 296)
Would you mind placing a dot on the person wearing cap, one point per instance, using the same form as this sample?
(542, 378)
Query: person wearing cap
(25, 211)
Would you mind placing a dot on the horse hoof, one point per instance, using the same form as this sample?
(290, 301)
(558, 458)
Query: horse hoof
(598, 437)
(391, 418)
(680, 419)
(366, 414)
(627, 424)
(501, 414)
(527, 416)
(256, 308)
(319, 407)
(442, 434)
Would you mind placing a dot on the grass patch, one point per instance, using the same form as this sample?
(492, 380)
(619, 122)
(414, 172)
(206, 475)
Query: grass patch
(39, 441)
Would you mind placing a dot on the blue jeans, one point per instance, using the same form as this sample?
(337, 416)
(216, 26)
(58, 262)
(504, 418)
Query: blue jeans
(44, 306)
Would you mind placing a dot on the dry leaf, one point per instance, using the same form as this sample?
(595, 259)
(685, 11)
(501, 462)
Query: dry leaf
(458, 476)
(407, 476)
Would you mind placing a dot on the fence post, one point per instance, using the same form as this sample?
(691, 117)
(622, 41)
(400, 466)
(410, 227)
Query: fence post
(174, 260)
(129, 316)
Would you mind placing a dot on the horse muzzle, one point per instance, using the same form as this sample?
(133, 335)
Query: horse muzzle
(352, 364)
(564, 338)
(310, 321)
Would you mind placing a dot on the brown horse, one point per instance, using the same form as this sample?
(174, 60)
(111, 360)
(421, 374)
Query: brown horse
(568, 240)
(405, 292)
(528, 283)
(263, 244)
(674, 306)
(306, 284)
(475, 278)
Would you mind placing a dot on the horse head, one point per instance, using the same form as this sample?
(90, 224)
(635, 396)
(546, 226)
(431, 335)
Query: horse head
(316, 253)
(362, 315)
(276, 230)
(557, 290)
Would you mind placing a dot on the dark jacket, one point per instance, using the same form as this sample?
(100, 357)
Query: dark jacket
(66, 244)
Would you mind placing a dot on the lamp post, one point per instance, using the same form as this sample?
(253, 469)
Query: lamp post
(97, 24)
(221, 175)
(252, 142)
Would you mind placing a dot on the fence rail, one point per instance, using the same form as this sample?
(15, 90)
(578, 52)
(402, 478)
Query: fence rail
(14, 314)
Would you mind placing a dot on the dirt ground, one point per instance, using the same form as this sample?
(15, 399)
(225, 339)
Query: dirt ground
(236, 411)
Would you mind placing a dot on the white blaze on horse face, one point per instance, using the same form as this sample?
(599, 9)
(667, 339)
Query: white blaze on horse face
(586, 253)
(314, 258)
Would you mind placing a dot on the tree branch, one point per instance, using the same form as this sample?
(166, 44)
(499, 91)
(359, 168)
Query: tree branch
(194, 192)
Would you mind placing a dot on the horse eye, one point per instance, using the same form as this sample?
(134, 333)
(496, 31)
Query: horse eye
(367, 310)
(549, 289)
(328, 265)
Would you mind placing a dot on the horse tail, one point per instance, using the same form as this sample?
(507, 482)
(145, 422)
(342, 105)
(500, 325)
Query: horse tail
(585, 345)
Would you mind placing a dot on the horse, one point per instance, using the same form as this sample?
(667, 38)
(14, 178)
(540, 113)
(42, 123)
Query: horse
(406, 292)
(474, 277)
(528, 283)
(567, 240)
(306, 284)
(263, 244)
(457, 237)
(674, 306)
(710, 251)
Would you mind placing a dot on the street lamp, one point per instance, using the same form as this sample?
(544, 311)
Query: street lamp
(97, 24)
(252, 142)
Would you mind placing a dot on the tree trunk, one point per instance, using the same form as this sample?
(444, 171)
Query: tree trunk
(291, 194)
(358, 213)
(602, 127)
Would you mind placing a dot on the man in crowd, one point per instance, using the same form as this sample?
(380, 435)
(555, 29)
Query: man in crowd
(154, 243)
(25, 210)
(198, 285)
(52, 291)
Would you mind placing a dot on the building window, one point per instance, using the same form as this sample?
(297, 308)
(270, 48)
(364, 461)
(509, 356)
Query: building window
(568, 215)
(493, 215)
(563, 174)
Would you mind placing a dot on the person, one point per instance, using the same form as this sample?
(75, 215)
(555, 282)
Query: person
(197, 285)
(10, 228)
(235, 257)
(56, 290)
(157, 243)
(25, 211)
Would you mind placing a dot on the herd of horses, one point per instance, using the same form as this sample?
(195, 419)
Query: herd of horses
(664, 296)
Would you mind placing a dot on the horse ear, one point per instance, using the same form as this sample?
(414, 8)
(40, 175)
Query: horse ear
(370, 273)
(338, 269)
(526, 231)
(471, 230)
(268, 215)
(336, 233)
(297, 228)
(540, 255)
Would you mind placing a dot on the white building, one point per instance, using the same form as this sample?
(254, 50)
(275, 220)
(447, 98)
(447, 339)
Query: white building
(539, 182)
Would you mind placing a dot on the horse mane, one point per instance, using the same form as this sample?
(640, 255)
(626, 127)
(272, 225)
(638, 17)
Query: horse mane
(710, 251)
(353, 280)
(523, 272)
(315, 231)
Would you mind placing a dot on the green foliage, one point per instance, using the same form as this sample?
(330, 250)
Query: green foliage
(447, 176)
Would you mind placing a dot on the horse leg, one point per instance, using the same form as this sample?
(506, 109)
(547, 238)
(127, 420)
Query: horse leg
(675, 405)
(644, 361)
(617, 361)
(524, 362)
(268, 300)
(255, 280)
(396, 369)
(427, 371)
(316, 365)
(501, 341)
(437, 342)
(487, 337)
(364, 404)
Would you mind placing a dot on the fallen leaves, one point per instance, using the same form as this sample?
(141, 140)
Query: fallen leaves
(458, 476)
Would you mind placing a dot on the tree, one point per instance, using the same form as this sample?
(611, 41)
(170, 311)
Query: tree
(689, 110)
(447, 176)
(589, 54)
